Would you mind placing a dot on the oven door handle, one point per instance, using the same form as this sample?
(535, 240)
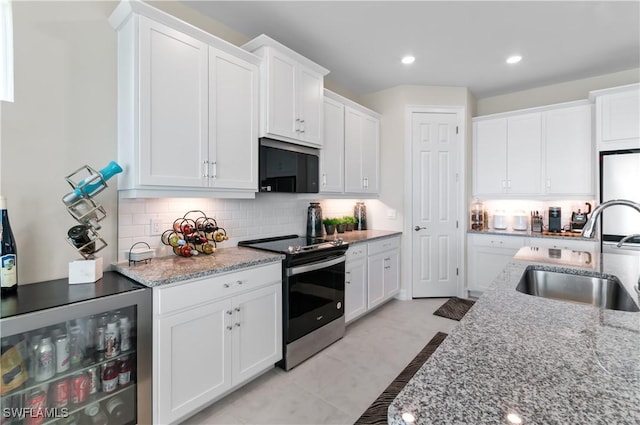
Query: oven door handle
(315, 266)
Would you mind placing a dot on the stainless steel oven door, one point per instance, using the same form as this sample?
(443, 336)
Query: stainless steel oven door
(314, 296)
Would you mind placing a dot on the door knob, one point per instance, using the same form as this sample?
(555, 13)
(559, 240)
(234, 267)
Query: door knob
(418, 228)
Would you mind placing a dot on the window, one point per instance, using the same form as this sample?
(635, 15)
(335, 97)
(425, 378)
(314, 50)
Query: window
(6, 51)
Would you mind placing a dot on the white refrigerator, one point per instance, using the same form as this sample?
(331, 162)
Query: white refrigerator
(620, 179)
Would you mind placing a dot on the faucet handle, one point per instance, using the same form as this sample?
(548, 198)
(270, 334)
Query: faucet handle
(626, 238)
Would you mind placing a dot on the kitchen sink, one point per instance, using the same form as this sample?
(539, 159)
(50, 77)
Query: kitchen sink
(602, 291)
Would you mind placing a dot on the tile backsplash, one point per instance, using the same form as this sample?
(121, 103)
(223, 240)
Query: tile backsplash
(266, 215)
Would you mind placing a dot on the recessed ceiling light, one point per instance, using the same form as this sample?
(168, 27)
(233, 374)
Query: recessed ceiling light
(514, 59)
(408, 60)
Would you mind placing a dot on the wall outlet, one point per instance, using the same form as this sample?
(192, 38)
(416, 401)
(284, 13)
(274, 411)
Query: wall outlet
(156, 227)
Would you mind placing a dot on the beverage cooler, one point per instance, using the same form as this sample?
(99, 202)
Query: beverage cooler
(77, 354)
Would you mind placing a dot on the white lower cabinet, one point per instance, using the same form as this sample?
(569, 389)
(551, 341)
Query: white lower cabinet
(573, 245)
(355, 296)
(383, 271)
(487, 257)
(372, 275)
(213, 335)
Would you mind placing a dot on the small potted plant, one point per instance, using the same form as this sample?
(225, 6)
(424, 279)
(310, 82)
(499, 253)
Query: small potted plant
(341, 225)
(350, 222)
(330, 225)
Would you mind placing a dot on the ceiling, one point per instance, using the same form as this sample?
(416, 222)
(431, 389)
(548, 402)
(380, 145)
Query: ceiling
(455, 43)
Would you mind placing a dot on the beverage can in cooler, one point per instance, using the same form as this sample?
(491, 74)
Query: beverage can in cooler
(79, 388)
(62, 353)
(94, 380)
(90, 331)
(112, 340)
(60, 394)
(125, 334)
(35, 404)
(45, 360)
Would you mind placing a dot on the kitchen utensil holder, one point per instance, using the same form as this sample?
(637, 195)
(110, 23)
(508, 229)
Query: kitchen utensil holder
(536, 223)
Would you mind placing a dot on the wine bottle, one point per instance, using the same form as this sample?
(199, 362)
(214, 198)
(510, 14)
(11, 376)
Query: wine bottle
(8, 253)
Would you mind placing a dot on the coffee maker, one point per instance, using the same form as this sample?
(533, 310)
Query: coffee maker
(579, 219)
(555, 219)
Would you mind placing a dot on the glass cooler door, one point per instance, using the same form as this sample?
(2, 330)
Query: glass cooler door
(75, 364)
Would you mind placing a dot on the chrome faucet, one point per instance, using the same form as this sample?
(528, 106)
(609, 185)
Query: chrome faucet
(626, 238)
(589, 229)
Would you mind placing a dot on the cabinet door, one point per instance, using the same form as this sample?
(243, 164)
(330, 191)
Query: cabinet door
(524, 154)
(310, 87)
(173, 107)
(355, 296)
(569, 152)
(620, 117)
(371, 154)
(375, 273)
(233, 122)
(332, 152)
(257, 331)
(194, 359)
(391, 273)
(353, 145)
(281, 95)
(490, 157)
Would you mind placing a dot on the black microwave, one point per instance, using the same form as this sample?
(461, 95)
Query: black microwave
(285, 167)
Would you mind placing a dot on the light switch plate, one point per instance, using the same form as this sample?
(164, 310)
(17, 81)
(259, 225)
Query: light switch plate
(156, 227)
(392, 214)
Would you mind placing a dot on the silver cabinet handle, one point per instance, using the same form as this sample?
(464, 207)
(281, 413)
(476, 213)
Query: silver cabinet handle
(205, 168)
(237, 325)
(214, 174)
(226, 285)
(239, 282)
(229, 312)
(237, 309)
(324, 179)
(418, 228)
(229, 328)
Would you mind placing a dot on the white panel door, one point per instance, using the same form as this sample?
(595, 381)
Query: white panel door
(281, 111)
(434, 213)
(490, 157)
(257, 331)
(194, 359)
(524, 154)
(569, 151)
(233, 122)
(173, 107)
(332, 152)
(310, 100)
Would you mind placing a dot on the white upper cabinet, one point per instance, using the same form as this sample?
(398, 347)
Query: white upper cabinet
(538, 153)
(350, 156)
(291, 93)
(569, 151)
(187, 108)
(507, 154)
(361, 151)
(332, 153)
(617, 117)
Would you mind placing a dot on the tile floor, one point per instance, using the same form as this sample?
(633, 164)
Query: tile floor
(338, 384)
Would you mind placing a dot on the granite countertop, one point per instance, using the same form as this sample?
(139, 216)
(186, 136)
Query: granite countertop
(362, 236)
(170, 269)
(543, 360)
(530, 234)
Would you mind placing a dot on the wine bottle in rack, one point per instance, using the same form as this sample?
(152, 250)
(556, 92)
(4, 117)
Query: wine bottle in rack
(8, 253)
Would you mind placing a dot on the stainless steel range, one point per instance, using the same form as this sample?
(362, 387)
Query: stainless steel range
(312, 293)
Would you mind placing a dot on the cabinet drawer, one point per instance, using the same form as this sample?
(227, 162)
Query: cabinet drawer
(357, 251)
(201, 291)
(498, 241)
(383, 245)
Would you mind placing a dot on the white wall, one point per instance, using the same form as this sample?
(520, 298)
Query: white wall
(64, 116)
(555, 93)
